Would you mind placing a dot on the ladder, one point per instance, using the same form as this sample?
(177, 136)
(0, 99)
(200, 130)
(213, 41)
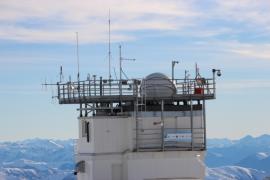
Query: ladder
(140, 106)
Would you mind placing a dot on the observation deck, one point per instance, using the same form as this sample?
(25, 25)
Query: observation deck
(114, 91)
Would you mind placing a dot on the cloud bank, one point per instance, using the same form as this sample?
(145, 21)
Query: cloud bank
(57, 21)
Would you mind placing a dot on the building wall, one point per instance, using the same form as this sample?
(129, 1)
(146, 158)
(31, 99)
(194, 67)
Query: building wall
(164, 165)
(144, 165)
(117, 134)
(107, 134)
(109, 153)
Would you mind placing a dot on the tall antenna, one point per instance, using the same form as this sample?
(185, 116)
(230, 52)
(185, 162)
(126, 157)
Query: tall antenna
(78, 60)
(109, 53)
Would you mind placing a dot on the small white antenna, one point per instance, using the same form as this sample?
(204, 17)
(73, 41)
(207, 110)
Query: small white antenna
(78, 60)
(197, 71)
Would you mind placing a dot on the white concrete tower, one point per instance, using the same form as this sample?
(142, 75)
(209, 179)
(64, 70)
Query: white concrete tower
(140, 129)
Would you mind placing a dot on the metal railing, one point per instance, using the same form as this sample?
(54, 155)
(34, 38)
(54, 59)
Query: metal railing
(103, 87)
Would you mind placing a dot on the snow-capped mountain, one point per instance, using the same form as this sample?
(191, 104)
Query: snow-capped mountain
(260, 160)
(241, 152)
(36, 159)
(234, 173)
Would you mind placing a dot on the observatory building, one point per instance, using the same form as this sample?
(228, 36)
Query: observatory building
(140, 129)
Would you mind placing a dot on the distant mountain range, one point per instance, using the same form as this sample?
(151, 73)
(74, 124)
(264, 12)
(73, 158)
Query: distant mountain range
(37, 159)
(250, 152)
(247, 158)
(234, 173)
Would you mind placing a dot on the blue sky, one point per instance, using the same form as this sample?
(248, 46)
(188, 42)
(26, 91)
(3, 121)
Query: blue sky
(36, 37)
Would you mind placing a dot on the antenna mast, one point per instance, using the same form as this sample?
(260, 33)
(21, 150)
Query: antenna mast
(61, 74)
(110, 75)
(120, 67)
(78, 60)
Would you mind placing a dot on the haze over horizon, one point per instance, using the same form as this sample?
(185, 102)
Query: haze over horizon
(37, 37)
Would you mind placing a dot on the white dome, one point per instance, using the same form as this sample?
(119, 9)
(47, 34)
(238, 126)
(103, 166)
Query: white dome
(157, 85)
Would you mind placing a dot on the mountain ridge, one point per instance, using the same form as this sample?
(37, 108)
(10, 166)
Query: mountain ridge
(37, 158)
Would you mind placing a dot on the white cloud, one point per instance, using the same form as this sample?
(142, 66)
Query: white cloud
(248, 11)
(248, 50)
(255, 50)
(258, 52)
(243, 85)
(56, 21)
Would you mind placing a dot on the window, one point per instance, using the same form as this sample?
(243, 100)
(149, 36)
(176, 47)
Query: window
(86, 130)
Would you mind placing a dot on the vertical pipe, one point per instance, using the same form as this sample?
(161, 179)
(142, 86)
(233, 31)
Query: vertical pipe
(111, 105)
(87, 132)
(95, 93)
(81, 110)
(120, 75)
(214, 82)
(191, 124)
(120, 81)
(136, 118)
(204, 124)
(173, 70)
(162, 125)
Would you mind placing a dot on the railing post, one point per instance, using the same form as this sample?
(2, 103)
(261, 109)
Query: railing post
(100, 86)
(89, 83)
(58, 90)
(95, 92)
(83, 89)
(63, 91)
(68, 90)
